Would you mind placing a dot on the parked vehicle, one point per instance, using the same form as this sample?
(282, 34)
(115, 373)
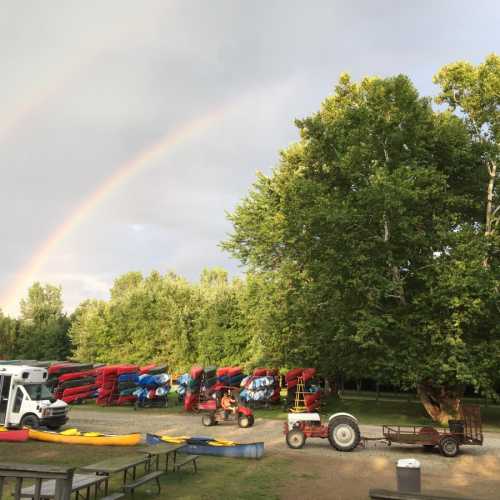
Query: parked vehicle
(467, 430)
(215, 412)
(342, 430)
(25, 399)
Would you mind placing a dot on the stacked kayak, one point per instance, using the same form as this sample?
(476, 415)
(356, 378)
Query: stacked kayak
(13, 435)
(312, 394)
(73, 436)
(116, 384)
(183, 384)
(230, 376)
(262, 386)
(202, 445)
(152, 386)
(192, 396)
(72, 382)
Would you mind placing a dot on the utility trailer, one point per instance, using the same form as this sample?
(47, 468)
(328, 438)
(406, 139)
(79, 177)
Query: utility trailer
(467, 430)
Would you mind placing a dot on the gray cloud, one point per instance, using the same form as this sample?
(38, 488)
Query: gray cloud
(87, 85)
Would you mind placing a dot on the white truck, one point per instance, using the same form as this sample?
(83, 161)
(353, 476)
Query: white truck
(25, 399)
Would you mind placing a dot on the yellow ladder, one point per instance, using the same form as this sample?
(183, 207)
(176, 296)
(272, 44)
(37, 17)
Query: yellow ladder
(299, 405)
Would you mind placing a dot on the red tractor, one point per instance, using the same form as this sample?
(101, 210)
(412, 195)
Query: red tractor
(225, 409)
(342, 430)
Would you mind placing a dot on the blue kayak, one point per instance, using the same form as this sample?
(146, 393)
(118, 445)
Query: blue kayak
(199, 445)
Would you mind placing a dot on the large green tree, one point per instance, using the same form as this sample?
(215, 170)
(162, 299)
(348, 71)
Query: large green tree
(474, 92)
(358, 226)
(43, 326)
(8, 336)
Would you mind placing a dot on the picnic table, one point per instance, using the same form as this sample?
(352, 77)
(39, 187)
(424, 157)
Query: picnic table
(157, 450)
(115, 465)
(80, 482)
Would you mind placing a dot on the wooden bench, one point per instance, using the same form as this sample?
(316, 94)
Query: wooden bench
(80, 482)
(191, 458)
(114, 496)
(152, 476)
(376, 494)
(61, 476)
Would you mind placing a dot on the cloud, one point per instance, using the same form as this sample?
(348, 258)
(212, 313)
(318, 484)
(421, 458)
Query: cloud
(87, 85)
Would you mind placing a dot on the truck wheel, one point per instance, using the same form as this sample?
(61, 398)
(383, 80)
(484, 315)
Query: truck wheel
(295, 439)
(30, 421)
(245, 421)
(208, 420)
(343, 433)
(449, 446)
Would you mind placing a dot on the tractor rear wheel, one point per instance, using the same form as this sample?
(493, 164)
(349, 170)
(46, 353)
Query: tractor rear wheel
(343, 433)
(295, 439)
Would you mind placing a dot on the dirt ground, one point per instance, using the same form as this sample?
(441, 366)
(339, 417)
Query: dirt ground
(317, 470)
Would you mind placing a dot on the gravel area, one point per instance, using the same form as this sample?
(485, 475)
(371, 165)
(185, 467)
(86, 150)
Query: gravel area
(476, 469)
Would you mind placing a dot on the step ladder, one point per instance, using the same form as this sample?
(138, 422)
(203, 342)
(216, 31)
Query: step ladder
(299, 405)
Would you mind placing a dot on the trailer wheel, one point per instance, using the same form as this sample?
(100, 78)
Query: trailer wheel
(449, 446)
(208, 420)
(343, 433)
(295, 439)
(30, 421)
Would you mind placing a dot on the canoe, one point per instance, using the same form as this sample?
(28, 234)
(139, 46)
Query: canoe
(13, 435)
(90, 438)
(203, 445)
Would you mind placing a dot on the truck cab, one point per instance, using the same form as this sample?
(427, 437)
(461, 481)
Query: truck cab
(25, 399)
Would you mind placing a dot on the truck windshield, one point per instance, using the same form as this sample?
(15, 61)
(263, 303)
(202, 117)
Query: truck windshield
(37, 392)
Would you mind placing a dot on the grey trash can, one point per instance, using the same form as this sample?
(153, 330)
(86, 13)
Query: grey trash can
(408, 475)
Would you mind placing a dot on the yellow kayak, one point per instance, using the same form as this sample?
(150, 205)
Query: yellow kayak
(72, 436)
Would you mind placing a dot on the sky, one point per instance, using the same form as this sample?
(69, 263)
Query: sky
(129, 129)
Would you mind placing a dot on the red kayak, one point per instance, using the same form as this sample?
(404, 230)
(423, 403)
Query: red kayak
(13, 435)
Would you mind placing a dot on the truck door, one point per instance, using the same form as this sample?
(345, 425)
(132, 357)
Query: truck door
(4, 396)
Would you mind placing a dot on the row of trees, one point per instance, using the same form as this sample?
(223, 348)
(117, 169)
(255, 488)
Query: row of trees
(372, 248)
(154, 318)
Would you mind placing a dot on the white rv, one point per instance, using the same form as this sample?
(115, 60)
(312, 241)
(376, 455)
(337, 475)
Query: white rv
(25, 399)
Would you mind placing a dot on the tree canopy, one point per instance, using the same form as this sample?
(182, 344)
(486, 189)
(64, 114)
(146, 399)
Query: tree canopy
(373, 224)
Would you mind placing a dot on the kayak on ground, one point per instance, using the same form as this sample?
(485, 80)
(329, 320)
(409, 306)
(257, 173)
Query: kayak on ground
(203, 445)
(74, 436)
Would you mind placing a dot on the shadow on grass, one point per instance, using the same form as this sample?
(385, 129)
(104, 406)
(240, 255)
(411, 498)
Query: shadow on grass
(216, 478)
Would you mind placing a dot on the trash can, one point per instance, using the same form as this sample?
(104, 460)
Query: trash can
(408, 475)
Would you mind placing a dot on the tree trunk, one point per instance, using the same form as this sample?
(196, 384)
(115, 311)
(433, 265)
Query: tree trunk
(489, 226)
(441, 403)
(491, 219)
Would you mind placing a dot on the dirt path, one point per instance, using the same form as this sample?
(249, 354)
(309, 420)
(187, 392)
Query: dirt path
(319, 471)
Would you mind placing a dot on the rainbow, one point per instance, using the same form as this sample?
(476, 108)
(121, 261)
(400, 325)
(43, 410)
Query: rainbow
(122, 174)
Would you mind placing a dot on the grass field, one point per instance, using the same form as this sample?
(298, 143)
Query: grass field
(236, 478)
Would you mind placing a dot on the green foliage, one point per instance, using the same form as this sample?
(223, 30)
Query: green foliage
(369, 230)
(8, 336)
(43, 327)
(165, 319)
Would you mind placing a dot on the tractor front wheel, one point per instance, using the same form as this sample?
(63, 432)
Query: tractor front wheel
(343, 433)
(295, 439)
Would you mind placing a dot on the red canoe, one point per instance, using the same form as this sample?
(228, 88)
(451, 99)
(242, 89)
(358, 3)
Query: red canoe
(13, 435)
